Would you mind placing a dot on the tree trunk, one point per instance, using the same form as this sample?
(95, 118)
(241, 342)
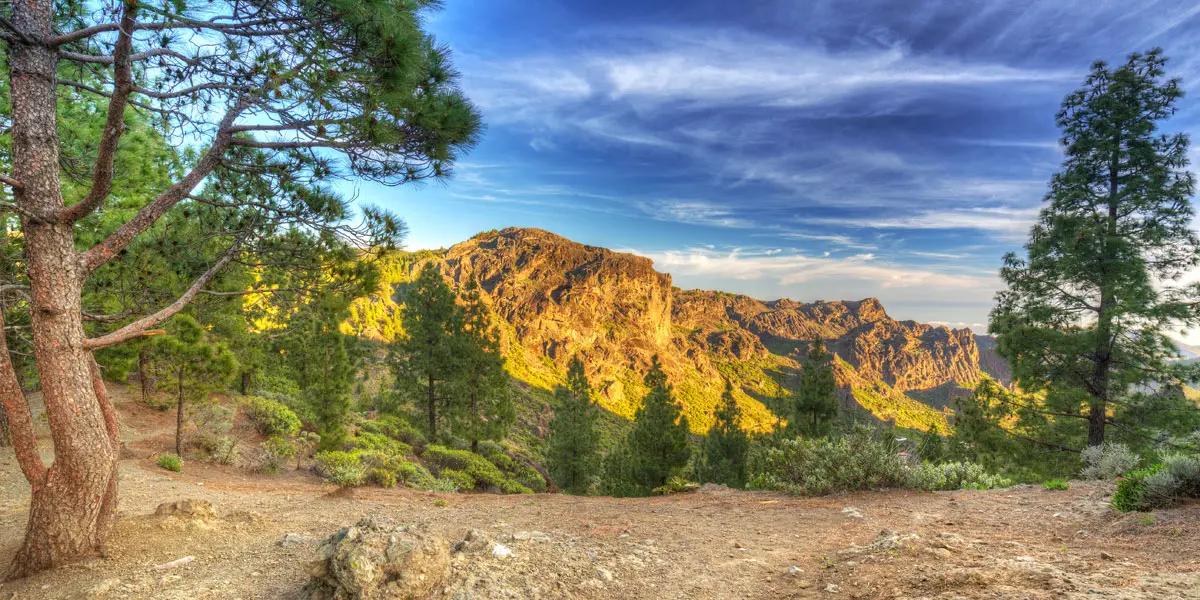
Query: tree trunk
(179, 415)
(245, 383)
(5, 440)
(432, 401)
(144, 373)
(1098, 407)
(72, 506)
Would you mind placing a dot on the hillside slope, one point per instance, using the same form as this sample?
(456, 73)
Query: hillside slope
(555, 299)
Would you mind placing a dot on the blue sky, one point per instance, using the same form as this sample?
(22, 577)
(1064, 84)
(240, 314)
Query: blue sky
(812, 150)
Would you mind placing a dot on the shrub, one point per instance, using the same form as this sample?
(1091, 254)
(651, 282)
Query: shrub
(512, 467)
(213, 422)
(377, 442)
(1131, 490)
(676, 485)
(856, 461)
(382, 477)
(395, 428)
(170, 462)
(1107, 461)
(225, 451)
(953, 476)
(1056, 484)
(276, 452)
(271, 417)
(343, 468)
(483, 472)
(461, 480)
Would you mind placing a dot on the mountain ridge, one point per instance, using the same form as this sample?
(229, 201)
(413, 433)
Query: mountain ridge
(554, 299)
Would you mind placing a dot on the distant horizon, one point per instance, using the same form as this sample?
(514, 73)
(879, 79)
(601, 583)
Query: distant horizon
(827, 150)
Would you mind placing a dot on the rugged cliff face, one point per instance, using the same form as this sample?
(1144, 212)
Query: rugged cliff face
(556, 299)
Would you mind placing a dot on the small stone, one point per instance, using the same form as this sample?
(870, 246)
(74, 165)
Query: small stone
(795, 571)
(604, 574)
(1106, 556)
(501, 551)
(292, 539)
(832, 588)
(852, 512)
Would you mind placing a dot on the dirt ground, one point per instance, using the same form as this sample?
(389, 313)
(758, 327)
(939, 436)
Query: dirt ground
(1018, 543)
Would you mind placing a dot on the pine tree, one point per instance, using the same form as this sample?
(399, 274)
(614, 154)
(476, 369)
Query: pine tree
(487, 412)
(196, 366)
(815, 404)
(321, 361)
(657, 446)
(1084, 316)
(425, 360)
(574, 440)
(723, 452)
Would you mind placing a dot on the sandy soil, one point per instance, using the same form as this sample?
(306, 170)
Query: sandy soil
(1024, 542)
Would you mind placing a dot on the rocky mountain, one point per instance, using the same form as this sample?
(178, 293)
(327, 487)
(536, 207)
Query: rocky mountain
(555, 299)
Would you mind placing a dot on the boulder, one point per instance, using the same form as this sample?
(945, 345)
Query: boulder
(376, 558)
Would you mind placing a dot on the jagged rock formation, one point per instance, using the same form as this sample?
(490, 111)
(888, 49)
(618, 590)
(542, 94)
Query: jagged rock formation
(555, 299)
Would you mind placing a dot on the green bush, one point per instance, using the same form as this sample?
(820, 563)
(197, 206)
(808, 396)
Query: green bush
(271, 417)
(170, 462)
(953, 476)
(461, 479)
(482, 471)
(675, 485)
(1056, 484)
(858, 460)
(513, 468)
(382, 477)
(1161, 485)
(377, 442)
(343, 468)
(395, 428)
(276, 452)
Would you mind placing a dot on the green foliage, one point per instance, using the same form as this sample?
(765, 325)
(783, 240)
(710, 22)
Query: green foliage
(1131, 490)
(482, 472)
(322, 361)
(574, 441)
(1002, 431)
(461, 479)
(1109, 460)
(953, 476)
(514, 468)
(342, 468)
(395, 428)
(1161, 485)
(859, 460)
(722, 457)
(815, 404)
(1085, 317)
(486, 411)
(377, 442)
(197, 365)
(1056, 485)
(277, 451)
(270, 417)
(675, 485)
(170, 462)
(657, 446)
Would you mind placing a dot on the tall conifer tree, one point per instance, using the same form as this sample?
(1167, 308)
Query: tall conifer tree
(574, 439)
(657, 446)
(487, 410)
(723, 452)
(1083, 318)
(425, 361)
(816, 402)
